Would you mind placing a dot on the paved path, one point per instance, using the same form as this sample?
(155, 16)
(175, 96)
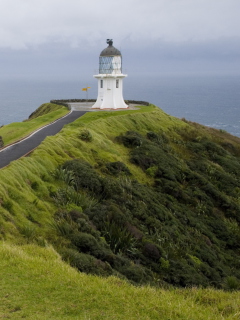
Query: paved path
(21, 148)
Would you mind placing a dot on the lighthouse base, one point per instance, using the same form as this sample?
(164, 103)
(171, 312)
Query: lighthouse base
(110, 92)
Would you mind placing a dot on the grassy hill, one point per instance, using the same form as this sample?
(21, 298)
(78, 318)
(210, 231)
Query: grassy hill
(37, 284)
(45, 114)
(136, 196)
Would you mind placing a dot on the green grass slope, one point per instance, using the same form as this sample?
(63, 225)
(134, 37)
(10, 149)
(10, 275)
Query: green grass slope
(45, 114)
(135, 196)
(36, 284)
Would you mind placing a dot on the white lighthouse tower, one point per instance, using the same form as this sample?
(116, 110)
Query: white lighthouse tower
(110, 79)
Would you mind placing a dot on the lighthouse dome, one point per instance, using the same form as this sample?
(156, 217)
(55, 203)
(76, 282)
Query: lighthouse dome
(110, 50)
(110, 60)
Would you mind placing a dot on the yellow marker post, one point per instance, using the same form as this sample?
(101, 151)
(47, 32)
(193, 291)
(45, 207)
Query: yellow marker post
(86, 89)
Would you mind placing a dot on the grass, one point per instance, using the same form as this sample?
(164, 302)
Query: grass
(18, 130)
(36, 284)
(91, 116)
(24, 203)
(25, 184)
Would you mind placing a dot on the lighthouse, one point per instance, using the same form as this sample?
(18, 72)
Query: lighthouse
(110, 79)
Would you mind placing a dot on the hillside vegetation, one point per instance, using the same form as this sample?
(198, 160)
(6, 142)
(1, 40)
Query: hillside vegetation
(36, 284)
(44, 115)
(137, 195)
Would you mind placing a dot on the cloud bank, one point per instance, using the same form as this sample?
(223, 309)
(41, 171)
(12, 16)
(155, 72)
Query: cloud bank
(32, 22)
(161, 31)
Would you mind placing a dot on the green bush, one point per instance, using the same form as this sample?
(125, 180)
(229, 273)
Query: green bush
(84, 242)
(152, 136)
(117, 168)
(28, 231)
(118, 237)
(85, 175)
(111, 189)
(151, 251)
(137, 274)
(35, 185)
(87, 243)
(68, 195)
(7, 204)
(85, 262)
(164, 264)
(63, 228)
(160, 138)
(85, 135)
(64, 175)
(131, 139)
(232, 283)
(182, 274)
(75, 215)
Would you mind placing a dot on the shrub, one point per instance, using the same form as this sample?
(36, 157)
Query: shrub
(160, 139)
(64, 175)
(164, 264)
(63, 228)
(28, 231)
(111, 189)
(151, 171)
(85, 135)
(232, 283)
(146, 156)
(213, 148)
(85, 242)
(136, 274)
(131, 139)
(68, 196)
(85, 262)
(114, 215)
(182, 274)
(75, 215)
(164, 164)
(118, 238)
(35, 185)
(117, 261)
(85, 176)
(85, 226)
(7, 204)
(152, 136)
(151, 251)
(117, 168)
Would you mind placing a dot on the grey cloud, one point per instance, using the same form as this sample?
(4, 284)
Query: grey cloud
(64, 38)
(27, 23)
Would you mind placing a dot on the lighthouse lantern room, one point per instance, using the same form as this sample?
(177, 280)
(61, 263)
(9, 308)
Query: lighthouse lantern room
(110, 79)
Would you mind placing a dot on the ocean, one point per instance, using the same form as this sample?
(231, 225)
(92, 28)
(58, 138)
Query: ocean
(210, 100)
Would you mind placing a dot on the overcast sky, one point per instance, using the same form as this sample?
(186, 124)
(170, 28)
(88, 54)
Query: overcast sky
(63, 38)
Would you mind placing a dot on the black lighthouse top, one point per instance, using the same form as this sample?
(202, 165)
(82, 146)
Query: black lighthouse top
(110, 51)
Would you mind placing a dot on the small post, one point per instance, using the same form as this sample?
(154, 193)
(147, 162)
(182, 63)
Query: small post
(86, 89)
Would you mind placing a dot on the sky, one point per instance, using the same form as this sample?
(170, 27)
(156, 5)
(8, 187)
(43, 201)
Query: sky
(57, 39)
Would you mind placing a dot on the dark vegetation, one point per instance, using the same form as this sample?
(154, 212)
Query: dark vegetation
(181, 230)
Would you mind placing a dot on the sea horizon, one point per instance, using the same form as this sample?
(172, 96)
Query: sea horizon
(211, 100)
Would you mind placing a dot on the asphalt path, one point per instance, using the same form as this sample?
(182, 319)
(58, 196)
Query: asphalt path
(21, 148)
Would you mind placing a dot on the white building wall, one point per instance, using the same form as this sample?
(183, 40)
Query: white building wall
(110, 97)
